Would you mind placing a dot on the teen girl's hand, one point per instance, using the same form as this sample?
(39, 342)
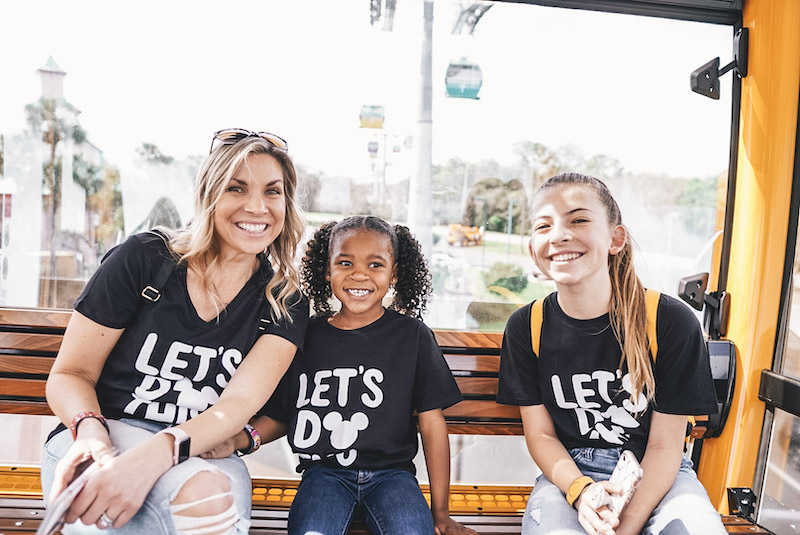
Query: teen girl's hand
(595, 517)
(448, 526)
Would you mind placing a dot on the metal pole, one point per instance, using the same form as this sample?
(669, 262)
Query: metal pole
(510, 226)
(419, 202)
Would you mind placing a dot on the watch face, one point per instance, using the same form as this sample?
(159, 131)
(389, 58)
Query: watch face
(184, 445)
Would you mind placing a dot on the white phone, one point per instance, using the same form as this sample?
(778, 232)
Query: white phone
(628, 474)
(54, 518)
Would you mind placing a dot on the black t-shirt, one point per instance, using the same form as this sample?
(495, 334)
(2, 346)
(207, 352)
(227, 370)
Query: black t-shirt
(350, 395)
(169, 364)
(577, 376)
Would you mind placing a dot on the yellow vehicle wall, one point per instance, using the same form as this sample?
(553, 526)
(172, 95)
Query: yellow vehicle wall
(768, 117)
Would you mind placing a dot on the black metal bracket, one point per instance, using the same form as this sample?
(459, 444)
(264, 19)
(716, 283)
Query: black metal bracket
(717, 304)
(741, 502)
(705, 79)
(782, 391)
(722, 358)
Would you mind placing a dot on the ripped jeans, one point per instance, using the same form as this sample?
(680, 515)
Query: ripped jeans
(684, 510)
(154, 517)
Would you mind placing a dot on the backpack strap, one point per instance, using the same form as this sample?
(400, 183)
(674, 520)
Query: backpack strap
(537, 317)
(652, 298)
(152, 292)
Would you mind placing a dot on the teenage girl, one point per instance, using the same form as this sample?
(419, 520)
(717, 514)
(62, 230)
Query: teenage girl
(594, 390)
(349, 400)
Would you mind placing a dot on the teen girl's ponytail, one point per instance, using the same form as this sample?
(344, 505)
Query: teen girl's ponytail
(628, 312)
(629, 322)
(413, 284)
(314, 283)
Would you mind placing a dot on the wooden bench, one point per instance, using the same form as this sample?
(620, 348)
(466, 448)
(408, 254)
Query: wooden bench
(29, 341)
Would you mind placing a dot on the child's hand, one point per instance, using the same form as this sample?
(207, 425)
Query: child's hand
(221, 451)
(448, 526)
(593, 512)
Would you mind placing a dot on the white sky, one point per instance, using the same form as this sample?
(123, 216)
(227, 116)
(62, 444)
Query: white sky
(172, 72)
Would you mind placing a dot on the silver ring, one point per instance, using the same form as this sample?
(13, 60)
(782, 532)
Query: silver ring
(105, 521)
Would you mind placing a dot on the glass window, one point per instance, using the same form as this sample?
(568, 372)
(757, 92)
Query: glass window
(780, 491)
(103, 131)
(105, 125)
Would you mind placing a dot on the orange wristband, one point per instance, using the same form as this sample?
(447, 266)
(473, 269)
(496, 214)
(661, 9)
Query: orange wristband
(576, 487)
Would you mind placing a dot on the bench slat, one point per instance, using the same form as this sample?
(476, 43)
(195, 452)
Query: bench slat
(477, 409)
(35, 317)
(30, 342)
(24, 388)
(38, 408)
(485, 428)
(26, 364)
(477, 386)
(473, 363)
(471, 340)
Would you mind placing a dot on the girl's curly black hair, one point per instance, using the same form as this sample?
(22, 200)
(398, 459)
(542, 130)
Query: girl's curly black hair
(413, 286)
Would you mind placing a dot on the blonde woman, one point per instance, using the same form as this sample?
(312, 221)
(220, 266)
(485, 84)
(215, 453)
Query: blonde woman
(591, 389)
(176, 341)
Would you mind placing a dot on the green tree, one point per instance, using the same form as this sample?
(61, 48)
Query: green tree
(151, 153)
(539, 160)
(491, 198)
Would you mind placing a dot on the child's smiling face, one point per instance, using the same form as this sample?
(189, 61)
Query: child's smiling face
(572, 238)
(361, 270)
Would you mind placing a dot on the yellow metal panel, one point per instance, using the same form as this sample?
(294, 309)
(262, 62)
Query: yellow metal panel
(768, 118)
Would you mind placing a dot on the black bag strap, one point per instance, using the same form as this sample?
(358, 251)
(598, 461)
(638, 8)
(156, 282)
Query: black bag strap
(152, 292)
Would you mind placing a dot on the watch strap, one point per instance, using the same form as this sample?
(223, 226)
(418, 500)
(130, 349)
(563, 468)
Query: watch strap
(181, 444)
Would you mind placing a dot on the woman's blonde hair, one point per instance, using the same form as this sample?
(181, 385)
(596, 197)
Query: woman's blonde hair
(196, 244)
(628, 313)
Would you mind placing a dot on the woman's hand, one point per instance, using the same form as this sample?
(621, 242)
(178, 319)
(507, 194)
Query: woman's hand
(122, 483)
(593, 514)
(448, 526)
(93, 443)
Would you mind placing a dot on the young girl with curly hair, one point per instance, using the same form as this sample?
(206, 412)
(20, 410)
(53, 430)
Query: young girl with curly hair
(348, 401)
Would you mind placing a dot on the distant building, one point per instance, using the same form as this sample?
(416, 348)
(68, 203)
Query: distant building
(73, 197)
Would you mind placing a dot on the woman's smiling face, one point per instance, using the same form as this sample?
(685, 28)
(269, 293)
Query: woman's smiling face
(252, 210)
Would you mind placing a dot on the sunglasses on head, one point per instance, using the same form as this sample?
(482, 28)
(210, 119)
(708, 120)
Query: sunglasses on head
(229, 136)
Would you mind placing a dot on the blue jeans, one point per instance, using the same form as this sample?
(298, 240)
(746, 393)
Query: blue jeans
(392, 501)
(684, 510)
(154, 516)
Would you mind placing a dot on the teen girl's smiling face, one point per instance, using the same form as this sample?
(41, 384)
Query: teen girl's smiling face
(252, 210)
(361, 270)
(572, 237)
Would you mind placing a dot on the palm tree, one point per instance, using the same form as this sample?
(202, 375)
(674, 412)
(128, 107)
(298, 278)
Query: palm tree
(56, 121)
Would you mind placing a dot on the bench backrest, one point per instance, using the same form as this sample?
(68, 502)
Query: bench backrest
(29, 341)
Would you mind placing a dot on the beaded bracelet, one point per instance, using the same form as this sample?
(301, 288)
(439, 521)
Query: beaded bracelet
(82, 416)
(255, 440)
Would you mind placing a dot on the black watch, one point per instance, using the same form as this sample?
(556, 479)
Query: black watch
(181, 444)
